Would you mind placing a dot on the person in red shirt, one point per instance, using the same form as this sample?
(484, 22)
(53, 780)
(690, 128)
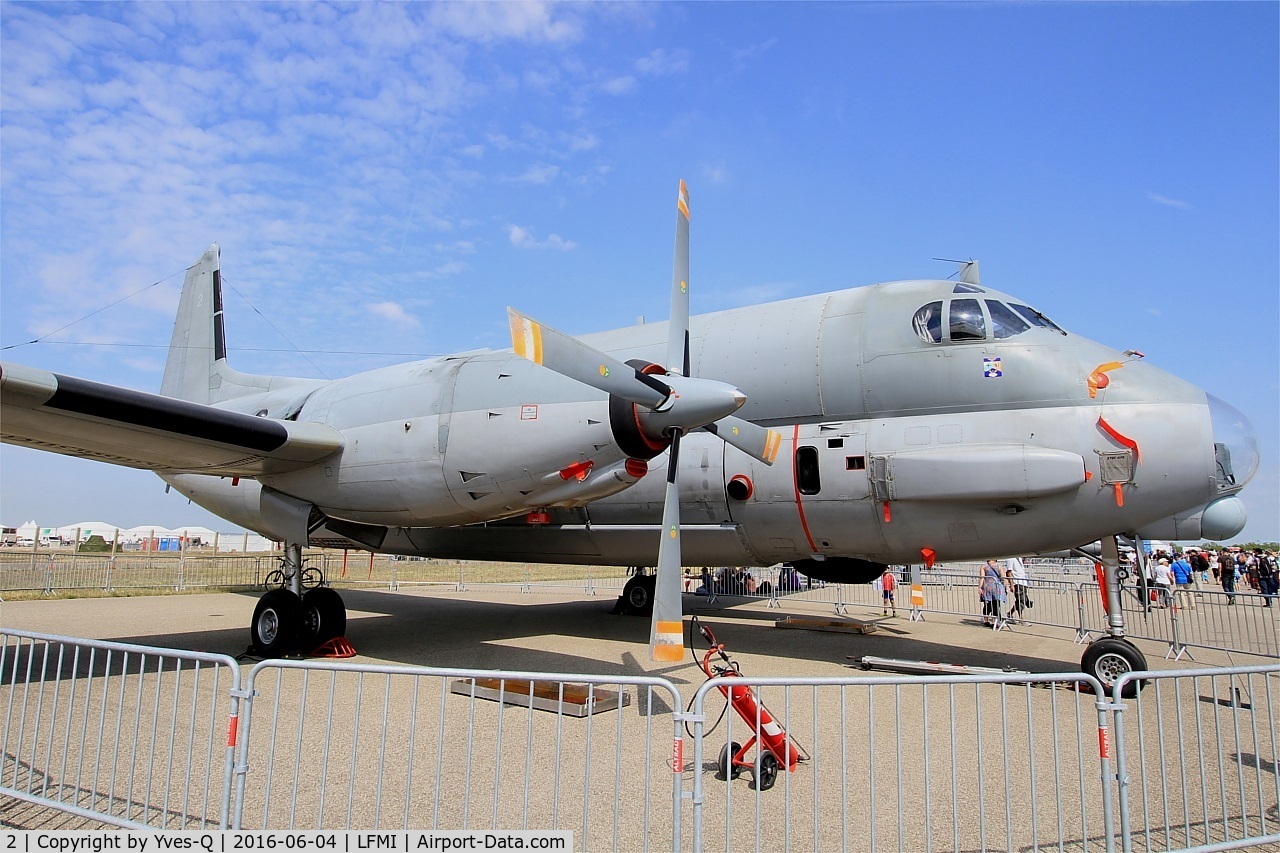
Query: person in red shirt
(888, 583)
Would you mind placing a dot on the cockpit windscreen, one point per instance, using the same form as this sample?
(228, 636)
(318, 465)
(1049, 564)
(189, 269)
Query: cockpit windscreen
(965, 320)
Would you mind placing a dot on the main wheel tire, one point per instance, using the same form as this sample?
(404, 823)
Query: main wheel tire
(277, 627)
(725, 765)
(324, 616)
(638, 594)
(768, 773)
(1109, 658)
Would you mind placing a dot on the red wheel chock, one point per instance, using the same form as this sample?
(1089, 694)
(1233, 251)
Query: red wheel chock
(338, 647)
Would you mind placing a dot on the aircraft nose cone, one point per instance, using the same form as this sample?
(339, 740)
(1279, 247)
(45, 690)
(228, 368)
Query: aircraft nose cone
(1235, 445)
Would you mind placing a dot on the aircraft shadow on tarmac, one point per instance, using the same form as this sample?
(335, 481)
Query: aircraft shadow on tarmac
(464, 633)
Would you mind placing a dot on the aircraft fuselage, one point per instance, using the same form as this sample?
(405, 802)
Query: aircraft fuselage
(914, 415)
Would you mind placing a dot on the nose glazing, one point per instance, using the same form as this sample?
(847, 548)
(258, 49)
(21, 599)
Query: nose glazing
(1235, 445)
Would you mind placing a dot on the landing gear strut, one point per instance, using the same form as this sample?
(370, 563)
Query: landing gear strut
(1110, 657)
(299, 614)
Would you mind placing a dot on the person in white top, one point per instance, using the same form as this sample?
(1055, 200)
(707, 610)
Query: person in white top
(1163, 577)
(1016, 573)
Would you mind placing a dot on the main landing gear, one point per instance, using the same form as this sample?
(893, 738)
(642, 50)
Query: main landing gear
(637, 594)
(299, 614)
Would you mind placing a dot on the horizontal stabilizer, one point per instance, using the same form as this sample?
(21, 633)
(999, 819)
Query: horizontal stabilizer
(108, 423)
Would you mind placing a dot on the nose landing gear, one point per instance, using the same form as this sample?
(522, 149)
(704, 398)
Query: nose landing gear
(1110, 657)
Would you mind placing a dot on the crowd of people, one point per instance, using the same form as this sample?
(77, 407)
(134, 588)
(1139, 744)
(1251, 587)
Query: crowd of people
(1176, 577)
(1173, 580)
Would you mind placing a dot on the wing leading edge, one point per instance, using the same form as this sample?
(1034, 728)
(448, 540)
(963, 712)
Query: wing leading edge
(108, 423)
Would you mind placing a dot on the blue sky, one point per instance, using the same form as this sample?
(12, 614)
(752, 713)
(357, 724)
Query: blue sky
(384, 179)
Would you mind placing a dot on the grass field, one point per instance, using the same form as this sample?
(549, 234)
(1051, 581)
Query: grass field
(36, 574)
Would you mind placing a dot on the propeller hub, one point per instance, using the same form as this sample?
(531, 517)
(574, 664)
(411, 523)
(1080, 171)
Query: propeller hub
(693, 403)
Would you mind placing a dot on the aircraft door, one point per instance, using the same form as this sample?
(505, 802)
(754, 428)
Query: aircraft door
(816, 499)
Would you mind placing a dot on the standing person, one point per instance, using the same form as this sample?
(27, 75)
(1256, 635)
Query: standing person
(1164, 581)
(1243, 564)
(1227, 569)
(991, 592)
(1199, 566)
(1184, 581)
(1015, 573)
(1267, 570)
(888, 583)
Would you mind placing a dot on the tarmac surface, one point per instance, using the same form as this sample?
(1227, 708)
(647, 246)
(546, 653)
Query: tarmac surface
(568, 632)
(564, 631)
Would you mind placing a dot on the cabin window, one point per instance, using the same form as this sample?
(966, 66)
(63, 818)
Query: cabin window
(928, 323)
(1005, 323)
(966, 320)
(855, 463)
(1035, 318)
(808, 480)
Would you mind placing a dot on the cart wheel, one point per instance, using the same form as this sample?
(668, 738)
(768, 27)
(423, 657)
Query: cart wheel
(768, 772)
(729, 770)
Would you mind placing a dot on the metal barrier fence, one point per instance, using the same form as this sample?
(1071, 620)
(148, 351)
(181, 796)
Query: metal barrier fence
(978, 762)
(128, 735)
(133, 736)
(1237, 622)
(335, 746)
(52, 571)
(1197, 759)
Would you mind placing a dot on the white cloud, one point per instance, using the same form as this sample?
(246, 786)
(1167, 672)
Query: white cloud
(618, 85)
(715, 173)
(660, 63)
(537, 174)
(521, 21)
(522, 238)
(1168, 202)
(392, 312)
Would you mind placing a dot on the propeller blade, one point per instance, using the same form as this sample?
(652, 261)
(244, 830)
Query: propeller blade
(678, 329)
(666, 629)
(570, 357)
(759, 442)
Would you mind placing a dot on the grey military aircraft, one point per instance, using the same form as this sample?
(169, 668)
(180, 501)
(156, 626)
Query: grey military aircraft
(896, 423)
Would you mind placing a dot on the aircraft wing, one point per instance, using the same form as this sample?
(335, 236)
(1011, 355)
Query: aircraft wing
(108, 423)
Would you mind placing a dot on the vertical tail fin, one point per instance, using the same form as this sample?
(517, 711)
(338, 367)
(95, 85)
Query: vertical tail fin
(198, 343)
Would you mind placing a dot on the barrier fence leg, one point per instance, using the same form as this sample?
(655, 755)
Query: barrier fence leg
(1122, 774)
(697, 719)
(1082, 633)
(1177, 648)
(1104, 757)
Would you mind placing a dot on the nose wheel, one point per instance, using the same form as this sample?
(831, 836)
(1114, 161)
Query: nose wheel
(1109, 658)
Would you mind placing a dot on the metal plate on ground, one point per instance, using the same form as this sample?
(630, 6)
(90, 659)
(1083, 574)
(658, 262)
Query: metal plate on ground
(573, 700)
(847, 626)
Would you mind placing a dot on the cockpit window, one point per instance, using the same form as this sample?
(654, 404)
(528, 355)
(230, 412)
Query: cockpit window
(966, 321)
(1035, 318)
(964, 287)
(928, 323)
(1005, 323)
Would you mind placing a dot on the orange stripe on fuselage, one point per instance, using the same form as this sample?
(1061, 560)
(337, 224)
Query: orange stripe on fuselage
(795, 481)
